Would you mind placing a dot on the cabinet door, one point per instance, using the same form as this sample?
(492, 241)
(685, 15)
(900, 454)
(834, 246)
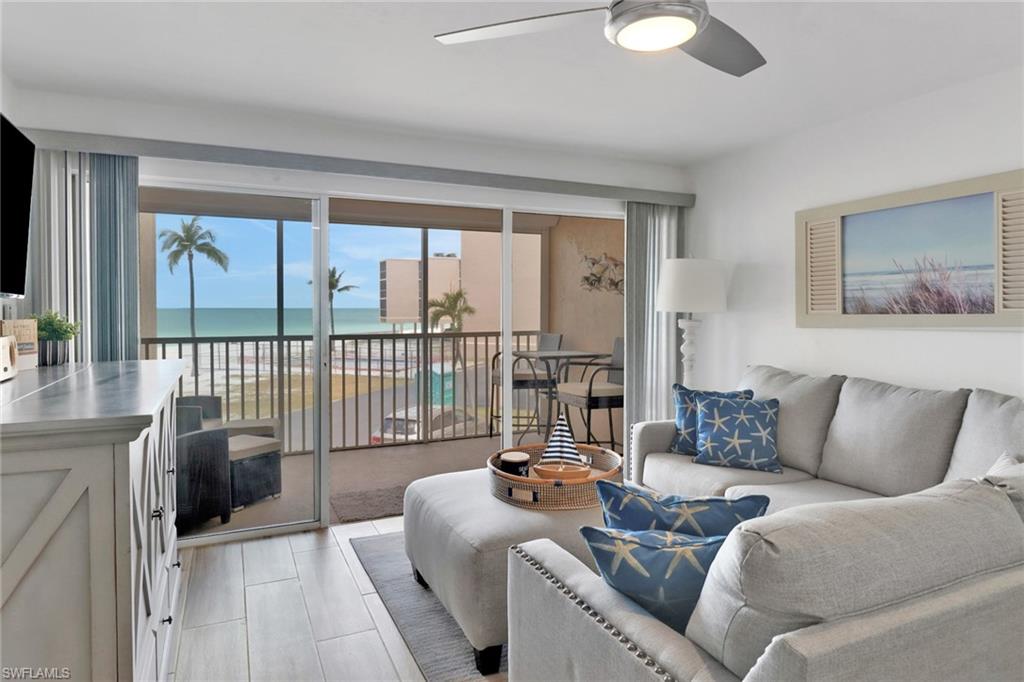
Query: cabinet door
(168, 445)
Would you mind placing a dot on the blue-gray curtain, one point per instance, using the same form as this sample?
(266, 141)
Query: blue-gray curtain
(114, 227)
(653, 233)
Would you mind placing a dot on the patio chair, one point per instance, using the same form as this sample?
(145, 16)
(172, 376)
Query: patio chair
(203, 475)
(590, 394)
(187, 418)
(527, 375)
(213, 417)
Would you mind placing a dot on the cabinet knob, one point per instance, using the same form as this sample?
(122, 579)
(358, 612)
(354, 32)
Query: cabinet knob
(171, 470)
(158, 513)
(177, 564)
(168, 620)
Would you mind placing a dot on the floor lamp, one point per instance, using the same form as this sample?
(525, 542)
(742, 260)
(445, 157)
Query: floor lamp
(691, 285)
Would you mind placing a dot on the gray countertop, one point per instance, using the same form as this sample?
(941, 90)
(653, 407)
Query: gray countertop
(100, 395)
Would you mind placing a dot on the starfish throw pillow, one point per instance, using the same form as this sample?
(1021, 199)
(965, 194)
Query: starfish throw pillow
(661, 571)
(733, 432)
(629, 507)
(685, 440)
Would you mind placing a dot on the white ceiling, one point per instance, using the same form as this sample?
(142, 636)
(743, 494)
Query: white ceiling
(376, 63)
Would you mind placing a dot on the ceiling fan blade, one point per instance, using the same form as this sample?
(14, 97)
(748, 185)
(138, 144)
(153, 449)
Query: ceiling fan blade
(505, 29)
(720, 46)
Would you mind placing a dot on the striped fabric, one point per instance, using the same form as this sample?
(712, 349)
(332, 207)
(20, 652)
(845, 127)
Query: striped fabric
(561, 446)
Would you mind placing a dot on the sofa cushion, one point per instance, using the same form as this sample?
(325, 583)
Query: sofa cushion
(891, 440)
(1007, 474)
(685, 442)
(659, 570)
(737, 433)
(785, 495)
(813, 564)
(993, 423)
(806, 406)
(632, 507)
(678, 475)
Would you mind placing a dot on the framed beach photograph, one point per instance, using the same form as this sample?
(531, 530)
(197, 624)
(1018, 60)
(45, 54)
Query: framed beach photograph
(935, 258)
(950, 255)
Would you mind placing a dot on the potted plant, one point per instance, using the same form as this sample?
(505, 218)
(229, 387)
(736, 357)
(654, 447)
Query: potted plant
(54, 333)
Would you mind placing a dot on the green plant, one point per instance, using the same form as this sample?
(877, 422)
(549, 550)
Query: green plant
(454, 305)
(52, 326)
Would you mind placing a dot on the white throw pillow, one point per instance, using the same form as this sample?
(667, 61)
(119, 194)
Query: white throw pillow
(1007, 474)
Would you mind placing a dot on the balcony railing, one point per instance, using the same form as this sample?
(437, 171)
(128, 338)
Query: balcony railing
(386, 389)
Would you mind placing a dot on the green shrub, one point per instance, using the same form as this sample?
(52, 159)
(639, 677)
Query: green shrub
(53, 326)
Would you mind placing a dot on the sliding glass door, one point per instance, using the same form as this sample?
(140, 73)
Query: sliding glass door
(339, 349)
(415, 300)
(568, 285)
(226, 285)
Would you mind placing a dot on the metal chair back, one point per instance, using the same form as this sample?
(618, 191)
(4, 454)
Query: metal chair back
(549, 342)
(617, 360)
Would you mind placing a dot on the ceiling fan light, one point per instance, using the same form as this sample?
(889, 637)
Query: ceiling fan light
(653, 34)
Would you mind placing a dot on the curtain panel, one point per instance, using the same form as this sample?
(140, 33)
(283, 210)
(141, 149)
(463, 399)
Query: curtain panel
(83, 250)
(114, 223)
(653, 233)
(59, 243)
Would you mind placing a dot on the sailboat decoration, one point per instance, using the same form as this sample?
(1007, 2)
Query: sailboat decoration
(561, 459)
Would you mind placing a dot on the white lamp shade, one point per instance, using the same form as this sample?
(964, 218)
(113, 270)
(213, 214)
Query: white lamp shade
(692, 285)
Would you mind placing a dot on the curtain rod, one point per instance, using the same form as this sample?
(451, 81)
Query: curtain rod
(135, 146)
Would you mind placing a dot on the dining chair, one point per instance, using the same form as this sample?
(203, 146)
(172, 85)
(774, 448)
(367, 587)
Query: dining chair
(527, 375)
(591, 394)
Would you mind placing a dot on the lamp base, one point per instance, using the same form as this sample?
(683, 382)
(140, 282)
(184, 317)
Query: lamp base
(688, 350)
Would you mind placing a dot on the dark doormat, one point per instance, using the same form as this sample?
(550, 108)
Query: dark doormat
(363, 505)
(434, 638)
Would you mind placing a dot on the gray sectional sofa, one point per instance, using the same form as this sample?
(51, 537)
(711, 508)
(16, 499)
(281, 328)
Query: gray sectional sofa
(846, 439)
(908, 571)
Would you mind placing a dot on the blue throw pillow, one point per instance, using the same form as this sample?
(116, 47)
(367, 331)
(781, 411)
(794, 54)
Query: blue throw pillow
(738, 433)
(629, 507)
(685, 440)
(662, 572)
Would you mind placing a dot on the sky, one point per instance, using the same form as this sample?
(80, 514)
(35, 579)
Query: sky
(251, 247)
(958, 231)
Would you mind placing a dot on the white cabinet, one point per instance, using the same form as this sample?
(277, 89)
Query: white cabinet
(90, 569)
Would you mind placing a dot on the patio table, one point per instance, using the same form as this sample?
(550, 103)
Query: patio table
(554, 361)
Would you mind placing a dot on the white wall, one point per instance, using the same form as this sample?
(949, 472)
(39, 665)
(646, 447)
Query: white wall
(289, 132)
(745, 214)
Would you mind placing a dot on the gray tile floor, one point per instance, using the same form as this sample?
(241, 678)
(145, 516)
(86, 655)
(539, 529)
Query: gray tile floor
(290, 607)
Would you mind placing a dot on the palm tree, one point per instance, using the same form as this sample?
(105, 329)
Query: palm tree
(334, 285)
(455, 307)
(193, 238)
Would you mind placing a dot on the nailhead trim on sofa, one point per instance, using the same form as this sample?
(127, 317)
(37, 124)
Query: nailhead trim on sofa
(630, 646)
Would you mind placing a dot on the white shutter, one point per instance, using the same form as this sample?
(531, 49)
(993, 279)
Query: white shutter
(1011, 250)
(824, 287)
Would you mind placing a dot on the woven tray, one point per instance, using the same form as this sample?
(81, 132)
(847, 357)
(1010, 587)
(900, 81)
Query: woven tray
(553, 494)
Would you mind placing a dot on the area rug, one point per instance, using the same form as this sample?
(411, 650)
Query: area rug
(433, 637)
(364, 505)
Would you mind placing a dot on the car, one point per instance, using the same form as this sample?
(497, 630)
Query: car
(403, 425)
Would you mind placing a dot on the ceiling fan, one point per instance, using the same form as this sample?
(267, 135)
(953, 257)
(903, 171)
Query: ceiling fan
(643, 26)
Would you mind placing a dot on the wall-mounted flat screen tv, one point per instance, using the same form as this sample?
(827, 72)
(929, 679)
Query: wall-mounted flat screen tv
(17, 165)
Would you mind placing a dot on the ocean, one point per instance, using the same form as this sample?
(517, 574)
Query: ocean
(874, 287)
(173, 322)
